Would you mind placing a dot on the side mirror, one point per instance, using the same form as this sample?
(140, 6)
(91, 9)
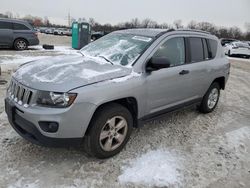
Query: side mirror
(156, 63)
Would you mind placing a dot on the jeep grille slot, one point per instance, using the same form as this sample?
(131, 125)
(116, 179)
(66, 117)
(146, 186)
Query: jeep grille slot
(20, 94)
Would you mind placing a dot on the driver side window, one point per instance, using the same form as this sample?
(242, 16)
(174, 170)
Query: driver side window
(173, 50)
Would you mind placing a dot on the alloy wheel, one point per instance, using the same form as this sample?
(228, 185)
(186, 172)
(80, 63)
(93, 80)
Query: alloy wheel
(213, 98)
(113, 133)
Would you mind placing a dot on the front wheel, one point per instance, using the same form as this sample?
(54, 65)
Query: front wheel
(109, 131)
(211, 98)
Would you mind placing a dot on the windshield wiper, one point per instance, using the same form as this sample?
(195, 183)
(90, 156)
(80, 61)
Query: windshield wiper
(106, 59)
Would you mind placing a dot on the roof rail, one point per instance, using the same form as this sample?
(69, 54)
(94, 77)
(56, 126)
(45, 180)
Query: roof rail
(163, 32)
(194, 30)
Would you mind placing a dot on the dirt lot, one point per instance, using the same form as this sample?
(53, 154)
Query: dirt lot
(183, 149)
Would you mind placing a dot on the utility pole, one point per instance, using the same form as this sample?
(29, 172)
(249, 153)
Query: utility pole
(69, 19)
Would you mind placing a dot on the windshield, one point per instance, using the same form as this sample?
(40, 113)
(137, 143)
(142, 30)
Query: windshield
(117, 48)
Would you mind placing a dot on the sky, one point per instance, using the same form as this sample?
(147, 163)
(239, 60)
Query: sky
(220, 12)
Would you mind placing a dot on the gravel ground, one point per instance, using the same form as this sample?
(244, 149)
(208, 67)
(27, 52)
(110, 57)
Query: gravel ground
(183, 149)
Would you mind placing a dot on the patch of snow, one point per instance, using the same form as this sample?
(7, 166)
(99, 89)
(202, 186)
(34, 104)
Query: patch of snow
(155, 168)
(20, 184)
(239, 137)
(13, 62)
(90, 73)
(19, 59)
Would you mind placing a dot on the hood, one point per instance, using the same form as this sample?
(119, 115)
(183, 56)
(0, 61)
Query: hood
(63, 73)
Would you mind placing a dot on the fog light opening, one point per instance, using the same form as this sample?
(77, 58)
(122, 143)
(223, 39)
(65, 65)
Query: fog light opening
(50, 127)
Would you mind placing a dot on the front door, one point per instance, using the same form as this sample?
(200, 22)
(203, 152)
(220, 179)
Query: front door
(171, 86)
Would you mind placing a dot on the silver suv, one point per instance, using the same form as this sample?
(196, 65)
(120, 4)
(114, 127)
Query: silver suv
(114, 84)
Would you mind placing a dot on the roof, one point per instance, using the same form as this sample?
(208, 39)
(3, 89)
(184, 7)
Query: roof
(13, 20)
(144, 32)
(157, 32)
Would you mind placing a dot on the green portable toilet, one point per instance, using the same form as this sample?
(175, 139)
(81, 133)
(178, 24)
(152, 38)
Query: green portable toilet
(81, 34)
(75, 35)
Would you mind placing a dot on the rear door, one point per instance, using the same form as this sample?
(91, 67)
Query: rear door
(201, 64)
(6, 34)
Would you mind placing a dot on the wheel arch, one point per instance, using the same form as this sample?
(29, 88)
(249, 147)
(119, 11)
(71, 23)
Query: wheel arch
(20, 38)
(129, 102)
(220, 81)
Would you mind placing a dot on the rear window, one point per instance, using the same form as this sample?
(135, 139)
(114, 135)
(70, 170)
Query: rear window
(241, 44)
(196, 49)
(213, 47)
(18, 26)
(5, 25)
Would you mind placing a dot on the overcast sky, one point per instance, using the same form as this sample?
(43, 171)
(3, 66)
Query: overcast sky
(219, 12)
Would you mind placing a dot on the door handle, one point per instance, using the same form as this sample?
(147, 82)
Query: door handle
(184, 72)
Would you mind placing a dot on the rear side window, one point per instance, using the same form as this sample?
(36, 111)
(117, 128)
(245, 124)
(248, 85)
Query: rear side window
(212, 48)
(205, 48)
(5, 25)
(196, 49)
(18, 26)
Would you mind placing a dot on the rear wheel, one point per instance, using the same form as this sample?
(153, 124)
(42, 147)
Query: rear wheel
(20, 44)
(211, 98)
(109, 132)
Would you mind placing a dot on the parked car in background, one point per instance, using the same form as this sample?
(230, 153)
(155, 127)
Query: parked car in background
(68, 32)
(96, 35)
(17, 34)
(50, 31)
(42, 29)
(237, 49)
(114, 84)
(225, 41)
(62, 31)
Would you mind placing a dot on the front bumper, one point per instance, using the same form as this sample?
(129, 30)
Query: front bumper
(33, 41)
(25, 121)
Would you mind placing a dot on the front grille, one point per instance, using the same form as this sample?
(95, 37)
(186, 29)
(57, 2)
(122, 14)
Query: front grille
(19, 93)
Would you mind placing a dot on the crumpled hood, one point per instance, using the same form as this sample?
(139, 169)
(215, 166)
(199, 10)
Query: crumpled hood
(64, 73)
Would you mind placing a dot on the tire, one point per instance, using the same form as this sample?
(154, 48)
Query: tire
(20, 44)
(229, 53)
(108, 145)
(210, 99)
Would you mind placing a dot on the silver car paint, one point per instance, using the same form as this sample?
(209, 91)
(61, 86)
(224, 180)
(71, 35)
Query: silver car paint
(153, 91)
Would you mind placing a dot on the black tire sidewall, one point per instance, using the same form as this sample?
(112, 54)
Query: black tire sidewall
(204, 104)
(97, 123)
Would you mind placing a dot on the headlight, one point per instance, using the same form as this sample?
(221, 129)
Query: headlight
(55, 99)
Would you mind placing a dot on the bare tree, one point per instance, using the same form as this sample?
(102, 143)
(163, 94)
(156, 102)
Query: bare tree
(145, 23)
(178, 24)
(247, 26)
(135, 23)
(92, 22)
(192, 25)
(9, 14)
